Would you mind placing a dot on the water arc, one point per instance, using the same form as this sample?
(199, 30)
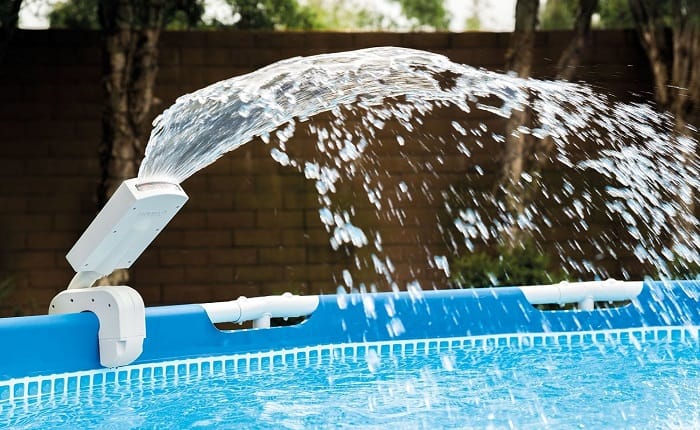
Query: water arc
(649, 173)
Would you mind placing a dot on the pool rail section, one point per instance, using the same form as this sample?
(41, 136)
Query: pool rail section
(53, 344)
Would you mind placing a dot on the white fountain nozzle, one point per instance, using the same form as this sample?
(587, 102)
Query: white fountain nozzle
(128, 223)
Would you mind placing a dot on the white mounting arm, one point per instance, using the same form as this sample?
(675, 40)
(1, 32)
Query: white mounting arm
(123, 229)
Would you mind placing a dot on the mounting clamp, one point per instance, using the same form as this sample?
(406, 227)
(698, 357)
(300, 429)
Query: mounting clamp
(122, 316)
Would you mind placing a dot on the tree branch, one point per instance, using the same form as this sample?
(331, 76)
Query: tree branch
(653, 38)
(571, 57)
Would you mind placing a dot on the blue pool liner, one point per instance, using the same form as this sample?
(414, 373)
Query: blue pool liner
(43, 345)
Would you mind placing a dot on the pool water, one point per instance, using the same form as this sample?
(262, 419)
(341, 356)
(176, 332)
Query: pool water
(600, 380)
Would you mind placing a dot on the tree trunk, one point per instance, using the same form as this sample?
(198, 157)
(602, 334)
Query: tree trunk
(567, 65)
(9, 15)
(522, 41)
(652, 36)
(518, 60)
(571, 57)
(130, 50)
(517, 158)
(676, 72)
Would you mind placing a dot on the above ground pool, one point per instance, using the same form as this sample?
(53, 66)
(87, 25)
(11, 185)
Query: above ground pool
(599, 354)
(479, 358)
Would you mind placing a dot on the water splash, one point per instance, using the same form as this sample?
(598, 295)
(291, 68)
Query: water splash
(380, 101)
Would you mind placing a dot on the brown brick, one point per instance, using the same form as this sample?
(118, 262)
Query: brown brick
(50, 278)
(12, 204)
(279, 40)
(322, 272)
(32, 260)
(207, 238)
(67, 166)
(210, 201)
(193, 56)
(48, 240)
(209, 274)
(232, 219)
(474, 40)
(278, 219)
(328, 41)
(88, 132)
(179, 293)
(476, 57)
(230, 38)
(427, 41)
(326, 254)
(256, 58)
(277, 288)
(259, 273)
(164, 276)
(151, 294)
(269, 200)
(13, 241)
(188, 220)
(257, 237)
(184, 257)
(372, 39)
(29, 301)
(27, 222)
(236, 290)
(282, 255)
(299, 200)
(244, 164)
(234, 256)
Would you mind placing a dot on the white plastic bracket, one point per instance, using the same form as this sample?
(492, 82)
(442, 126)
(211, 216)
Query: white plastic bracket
(122, 316)
(261, 309)
(585, 294)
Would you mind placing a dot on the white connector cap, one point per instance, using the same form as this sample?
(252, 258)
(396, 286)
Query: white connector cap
(129, 222)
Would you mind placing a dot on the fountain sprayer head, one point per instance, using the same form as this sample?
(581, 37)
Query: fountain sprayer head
(128, 223)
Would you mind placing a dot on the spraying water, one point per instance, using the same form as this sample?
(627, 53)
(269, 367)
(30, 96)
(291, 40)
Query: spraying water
(648, 175)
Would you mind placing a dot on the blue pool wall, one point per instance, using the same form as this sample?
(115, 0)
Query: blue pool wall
(41, 345)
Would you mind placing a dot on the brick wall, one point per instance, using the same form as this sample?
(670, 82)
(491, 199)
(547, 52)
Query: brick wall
(251, 226)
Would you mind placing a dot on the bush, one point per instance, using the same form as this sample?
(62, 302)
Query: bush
(522, 265)
(680, 268)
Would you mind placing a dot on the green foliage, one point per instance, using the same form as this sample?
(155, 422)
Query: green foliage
(614, 14)
(561, 14)
(259, 14)
(179, 14)
(184, 14)
(522, 265)
(6, 287)
(431, 13)
(558, 14)
(75, 14)
(473, 21)
(680, 269)
(274, 15)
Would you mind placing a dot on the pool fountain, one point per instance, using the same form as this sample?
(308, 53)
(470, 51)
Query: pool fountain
(648, 182)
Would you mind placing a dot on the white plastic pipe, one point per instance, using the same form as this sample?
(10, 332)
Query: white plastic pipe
(261, 308)
(583, 293)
